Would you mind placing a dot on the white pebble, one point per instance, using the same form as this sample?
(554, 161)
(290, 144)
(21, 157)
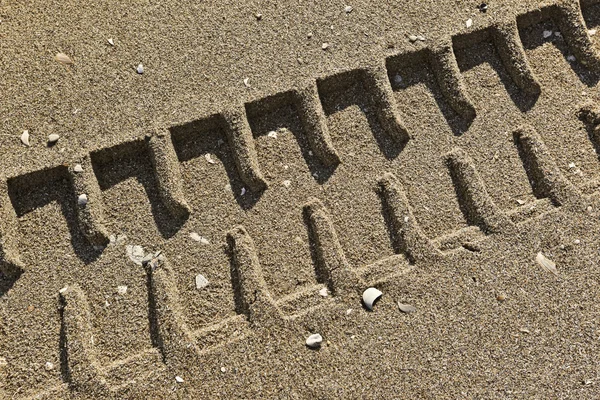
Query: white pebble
(201, 281)
(140, 69)
(122, 289)
(314, 341)
(25, 137)
(247, 82)
(243, 192)
(179, 379)
(413, 38)
(49, 366)
(63, 290)
(135, 253)
(287, 183)
(111, 42)
(82, 199)
(223, 369)
(571, 58)
(324, 46)
(469, 23)
(78, 168)
(572, 165)
(592, 32)
(547, 34)
(577, 241)
(349, 311)
(196, 237)
(324, 292)
(421, 38)
(53, 138)
(348, 9)
(272, 134)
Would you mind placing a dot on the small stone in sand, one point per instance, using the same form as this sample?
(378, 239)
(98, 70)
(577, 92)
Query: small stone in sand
(324, 292)
(501, 297)
(421, 38)
(63, 58)
(82, 199)
(243, 192)
(314, 341)
(49, 366)
(201, 281)
(179, 379)
(258, 16)
(111, 42)
(469, 23)
(413, 38)
(53, 138)
(349, 311)
(196, 237)
(571, 58)
(122, 289)
(348, 9)
(325, 46)
(406, 308)
(209, 158)
(592, 32)
(397, 79)
(272, 134)
(78, 168)
(25, 137)
(547, 34)
(140, 69)
(223, 369)
(287, 183)
(247, 82)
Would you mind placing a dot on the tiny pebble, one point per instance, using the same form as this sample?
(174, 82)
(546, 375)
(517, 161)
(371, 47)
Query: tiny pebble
(571, 58)
(201, 281)
(547, 34)
(272, 134)
(413, 38)
(572, 165)
(501, 297)
(122, 289)
(223, 369)
(324, 46)
(557, 34)
(243, 192)
(469, 23)
(140, 69)
(397, 79)
(111, 42)
(324, 292)
(421, 38)
(348, 9)
(179, 379)
(258, 16)
(63, 290)
(314, 341)
(78, 168)
(592, 32)
(25, 137)
(82, 199)
(49, 366)
(53, 138)
(577, 241)
(247, 82)
(209, 158)
(349, 311)
(287, 183)
(309, 35)
(63, 58)
(406, 308)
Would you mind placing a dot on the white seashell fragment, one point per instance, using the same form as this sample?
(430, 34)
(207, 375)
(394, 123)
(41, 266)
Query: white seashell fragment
(406, 308)
(323, 292)
(78, 168)
(63, 290)
(247, 82)
(325, 46)
(179, 379)
(209, 158)
(469, 23)
(49, 366)
(547, 34)
(287, 183)
(53, 138)
(370, 296)
(135, 253)
(592, 32)
(272, 134)
(122, 289)
(243, 192)
(194, 236)
(25, 137)
(348, 9)
(314, 341)
(111, 42)
(201, 281)
(546, 263)
(82, 199)
(140, 69)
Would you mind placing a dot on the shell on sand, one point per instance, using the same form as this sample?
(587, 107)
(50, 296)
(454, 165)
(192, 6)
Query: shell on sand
(63, 58)
(314, 341)
(370, 296)
(546, 263)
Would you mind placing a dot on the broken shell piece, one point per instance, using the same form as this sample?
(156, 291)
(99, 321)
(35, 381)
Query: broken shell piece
(140, 69)
(49, 366)
(179, 379)
(82, 199)
(78, 168)
(370, 296)
(111, 42)
(53, 138)
(247, 82)
(406, 308)
(194, 236)
(209, 158)
(469, 23)
(25, 137)
(135, 253)
(323, 292)
(546, 263)
(272, 134)
(314, 341)
(201, 281)
(122, 289)
(63, 58)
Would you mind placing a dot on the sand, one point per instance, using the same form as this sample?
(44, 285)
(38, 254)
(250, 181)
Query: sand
(434, 170)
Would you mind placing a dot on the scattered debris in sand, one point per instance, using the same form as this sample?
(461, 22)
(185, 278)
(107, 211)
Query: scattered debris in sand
(469, 23)
(592, 32)
(370, 296)
(140, 69)
(49, 366)
(53, 138)
(122, 289)
(546, 263)
(111, 42)
(547, 34)
(483, 7)
(63, 290)
(223, 369)
(524, 330)
(196, 237)
(348, 9)
(314, 341)
(421, 38)
(179, 379)
(201, 281)
(323, 292)
(309, 35)
(258, 16)
(500, 297)
(209, 158)
(243, 191)
(577, 241)
(272, 134)
(247, 82)
(521, 202)
(325, 46)
(571, 58)
(25, 137)
(78, 168)
(287, 183)
(406, 308)
(413, 38)
(572, 165)
(63, 58)
(82, 199)
(135, 253)
(349, 311)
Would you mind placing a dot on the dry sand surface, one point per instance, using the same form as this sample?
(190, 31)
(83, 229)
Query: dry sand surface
(294, 154)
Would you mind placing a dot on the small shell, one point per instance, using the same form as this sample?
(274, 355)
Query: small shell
(370, 296)
(179, 379)
(63, 58)
(49, 366)
(406, 308)
(348, 9)
(140, 69)
(469, 23)
(546, 263)
(314, 341)
(78, 168)
(53, 138)
(209, 158)
(82, 199)
(111, 42)
(122, 289)
(201, 281)
(25, 137)
(323, 292)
